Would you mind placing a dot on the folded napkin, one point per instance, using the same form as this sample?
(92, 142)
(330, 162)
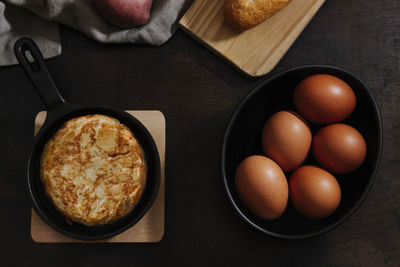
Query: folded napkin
(82, 15)
(15, 23)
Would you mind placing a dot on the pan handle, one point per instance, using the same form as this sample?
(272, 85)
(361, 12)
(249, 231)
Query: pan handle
(37, 72)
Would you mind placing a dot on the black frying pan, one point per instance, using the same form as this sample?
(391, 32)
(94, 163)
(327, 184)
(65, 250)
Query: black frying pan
(58, 112)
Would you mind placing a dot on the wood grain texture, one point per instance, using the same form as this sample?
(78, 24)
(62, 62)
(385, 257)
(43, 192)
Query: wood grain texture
(151, 227)
(255, 51)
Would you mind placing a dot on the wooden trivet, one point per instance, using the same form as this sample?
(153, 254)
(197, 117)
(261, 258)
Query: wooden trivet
(150, 228)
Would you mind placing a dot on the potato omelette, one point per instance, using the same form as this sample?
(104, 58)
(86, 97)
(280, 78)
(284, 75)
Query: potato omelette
(93, 170)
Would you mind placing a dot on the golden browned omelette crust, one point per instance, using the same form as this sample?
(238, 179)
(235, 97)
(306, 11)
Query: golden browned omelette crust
(93, 170)
(248, 13)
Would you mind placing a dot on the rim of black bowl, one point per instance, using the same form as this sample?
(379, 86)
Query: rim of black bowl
(228, 130)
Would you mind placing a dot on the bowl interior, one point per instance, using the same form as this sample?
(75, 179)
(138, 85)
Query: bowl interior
(46, 210)
(243, 139)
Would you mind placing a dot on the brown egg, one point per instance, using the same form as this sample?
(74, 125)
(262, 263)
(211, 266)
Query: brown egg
(339, 147)
(314, 192)
(324, 99)
(262, 186)
(286, 138)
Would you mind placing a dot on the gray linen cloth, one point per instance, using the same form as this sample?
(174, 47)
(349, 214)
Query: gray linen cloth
(83, 16)
(16, 22)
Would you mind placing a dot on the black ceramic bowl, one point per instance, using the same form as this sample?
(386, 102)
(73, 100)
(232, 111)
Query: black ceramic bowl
(243, 138)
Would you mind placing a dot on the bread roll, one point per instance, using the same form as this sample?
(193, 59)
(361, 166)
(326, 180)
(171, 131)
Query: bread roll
(246, 14)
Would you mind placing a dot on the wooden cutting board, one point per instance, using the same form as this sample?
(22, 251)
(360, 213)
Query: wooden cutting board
(257, 50)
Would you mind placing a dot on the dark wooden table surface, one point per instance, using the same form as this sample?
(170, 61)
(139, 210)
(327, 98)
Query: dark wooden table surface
(197, 92)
